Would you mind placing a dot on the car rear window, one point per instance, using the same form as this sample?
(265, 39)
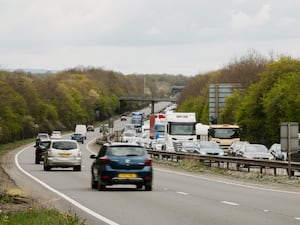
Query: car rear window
(126, 151)
(45, 144)
(64, 145)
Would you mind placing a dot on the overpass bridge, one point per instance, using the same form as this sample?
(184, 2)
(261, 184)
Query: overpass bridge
(152, 100)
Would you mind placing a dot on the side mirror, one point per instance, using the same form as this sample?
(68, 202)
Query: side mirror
(93, 156)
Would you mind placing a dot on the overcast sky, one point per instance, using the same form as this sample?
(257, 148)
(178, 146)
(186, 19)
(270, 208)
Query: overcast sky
(144, 36)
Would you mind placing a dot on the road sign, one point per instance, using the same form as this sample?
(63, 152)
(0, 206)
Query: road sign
(289, 136)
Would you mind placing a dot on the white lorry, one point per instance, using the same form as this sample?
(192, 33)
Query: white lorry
(202, 132)
(180, 127)
(81, 129)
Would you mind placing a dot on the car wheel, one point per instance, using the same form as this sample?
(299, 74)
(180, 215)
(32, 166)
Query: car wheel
(101, 186)
(77, 168)
(148, 187)
(46, 167)
(37, 160)
(94, 184)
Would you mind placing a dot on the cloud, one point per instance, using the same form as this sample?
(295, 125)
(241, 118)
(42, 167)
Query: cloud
(143, 35)
(242, 21)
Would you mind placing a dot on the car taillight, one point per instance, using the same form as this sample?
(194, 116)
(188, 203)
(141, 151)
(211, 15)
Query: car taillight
(104, 160)
(148, 162)
(105, 177)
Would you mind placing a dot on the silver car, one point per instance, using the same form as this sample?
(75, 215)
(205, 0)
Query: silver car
(255, 151)
(235, 147)
(209, 148)
(63, 153)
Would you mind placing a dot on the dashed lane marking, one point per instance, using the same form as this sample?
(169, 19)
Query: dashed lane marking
(230, 203)
(182, 193)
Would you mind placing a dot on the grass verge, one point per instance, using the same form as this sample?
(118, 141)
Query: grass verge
(39, 216)
(243, 176)
(17, 209)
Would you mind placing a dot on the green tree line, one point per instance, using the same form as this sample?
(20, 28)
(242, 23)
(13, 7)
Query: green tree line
(268, 95)
(33, 103)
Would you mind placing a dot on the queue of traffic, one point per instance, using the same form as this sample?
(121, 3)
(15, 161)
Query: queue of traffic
(179, 132)
(166, 131)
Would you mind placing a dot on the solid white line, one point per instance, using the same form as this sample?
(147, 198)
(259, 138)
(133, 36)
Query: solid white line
(230, 203)
(297, 218)
(72, 201)
(182, 193)
(87, 145)
(226, 182)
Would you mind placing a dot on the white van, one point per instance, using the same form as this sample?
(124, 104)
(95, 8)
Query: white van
(81, 129)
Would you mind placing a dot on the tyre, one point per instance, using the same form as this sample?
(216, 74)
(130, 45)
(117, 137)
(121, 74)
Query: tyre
(37, 160)
(46, 167)
(148, 187)
(77, 168)
(94, 184)
(101, 187)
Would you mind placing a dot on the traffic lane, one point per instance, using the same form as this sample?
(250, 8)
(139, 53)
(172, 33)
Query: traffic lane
(266, 203)
(123, 204)
(73, 183)
(173, 195)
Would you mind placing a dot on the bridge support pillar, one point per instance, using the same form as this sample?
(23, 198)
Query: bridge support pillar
(152, 107)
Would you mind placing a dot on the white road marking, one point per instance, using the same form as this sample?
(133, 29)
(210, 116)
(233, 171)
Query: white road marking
(72, 201)
(266, 210)
(226, 182)
(230, 203)
(182, 193)
(297, 218)
(87, 145)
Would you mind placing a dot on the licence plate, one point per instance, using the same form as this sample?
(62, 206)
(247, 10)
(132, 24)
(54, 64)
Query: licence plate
(64, 154)
(127, 175)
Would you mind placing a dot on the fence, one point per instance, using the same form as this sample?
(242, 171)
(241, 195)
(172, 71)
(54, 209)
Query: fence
(228, 162)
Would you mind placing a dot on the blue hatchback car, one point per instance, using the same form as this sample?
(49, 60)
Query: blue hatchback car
(78, 137)
(122, 163)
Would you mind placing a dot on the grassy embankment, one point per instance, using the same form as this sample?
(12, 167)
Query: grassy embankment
(243, 176)
(19, 210)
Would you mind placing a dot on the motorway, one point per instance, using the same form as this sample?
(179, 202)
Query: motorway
(178, 198)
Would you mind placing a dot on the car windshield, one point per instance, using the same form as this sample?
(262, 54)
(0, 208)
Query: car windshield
(45, 144)
(64, 145)
(182, 129)
(43, 136)
(127, 151)
(160, 128)
(224, 133)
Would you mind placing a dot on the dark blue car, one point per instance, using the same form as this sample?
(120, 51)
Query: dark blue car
(78, 137)
(122, 163)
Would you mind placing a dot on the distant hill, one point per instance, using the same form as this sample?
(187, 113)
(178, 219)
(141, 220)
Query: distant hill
(29, 70)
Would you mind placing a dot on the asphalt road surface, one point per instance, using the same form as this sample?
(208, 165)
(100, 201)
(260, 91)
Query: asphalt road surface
(177, 198)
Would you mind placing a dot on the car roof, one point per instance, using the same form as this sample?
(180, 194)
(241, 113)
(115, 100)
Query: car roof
(64, 140)
(123, 144)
